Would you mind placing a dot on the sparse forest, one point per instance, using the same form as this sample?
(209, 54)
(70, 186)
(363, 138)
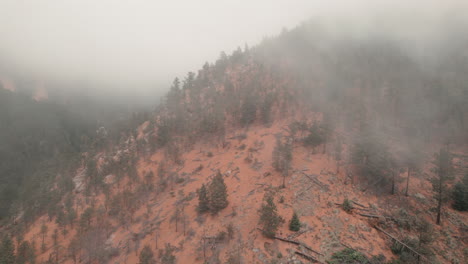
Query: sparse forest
(286, 129)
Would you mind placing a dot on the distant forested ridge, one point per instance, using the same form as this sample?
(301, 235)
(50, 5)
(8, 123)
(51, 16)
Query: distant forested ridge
(40, 147)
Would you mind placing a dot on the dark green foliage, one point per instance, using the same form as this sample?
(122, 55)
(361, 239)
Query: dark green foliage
(269, 218)
(374, 161)
(44, 230)
(146, 256)
(444, 171)
(426, 232)
(337, 153)
(347, 206)
(163, 135)
(265, 110)
(167, 255)
(316, 136)
(295, 224)
(92, 175)
(230, 231)
(7, 251)
(25, 253)
(203, 201)
(460, 195)
(61, 218)
(348, 256)
(38, 140)
(217, 192)
(249, 111)
(86, 218)
(212, 124)
(71, 216)
(404, 254)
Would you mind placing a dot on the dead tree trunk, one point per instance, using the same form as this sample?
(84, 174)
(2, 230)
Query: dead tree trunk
(407, 181)
(400, 242)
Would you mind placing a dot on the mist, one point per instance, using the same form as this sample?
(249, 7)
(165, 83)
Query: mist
(138, 47)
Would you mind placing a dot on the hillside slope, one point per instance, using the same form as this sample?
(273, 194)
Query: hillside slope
(312, 190)
(327, 127)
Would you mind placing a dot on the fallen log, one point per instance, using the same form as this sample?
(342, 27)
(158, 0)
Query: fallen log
(309, 258)
(397, 240)
(346, 246)
(315, 181)
(355, 208)
(356, 203)
(310, 249)
(371, 216)
(375, 216)
(294, 242)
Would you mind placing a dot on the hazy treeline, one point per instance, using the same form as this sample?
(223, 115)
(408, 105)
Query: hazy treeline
(41, 145)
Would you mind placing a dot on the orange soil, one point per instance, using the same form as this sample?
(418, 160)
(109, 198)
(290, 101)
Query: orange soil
(328, 227)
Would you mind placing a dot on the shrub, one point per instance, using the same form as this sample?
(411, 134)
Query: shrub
(348, 256)
(147, 256)
(347, 205)
(281, 200)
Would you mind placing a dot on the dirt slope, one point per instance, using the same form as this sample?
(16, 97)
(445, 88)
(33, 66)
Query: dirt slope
(312, 190)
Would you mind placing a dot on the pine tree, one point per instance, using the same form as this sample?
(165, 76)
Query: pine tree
(203, 201)
(248, 111)
(294, 224)
(167, 256)
(269, 218)
(7, 251)
(218, 193)
(460, 195)
(44, 230)
(86, 217)
(337, 153)
(315, 138)
(443, 169)
(146, 256)
(25, 253)
(282, 157)
(61, 219)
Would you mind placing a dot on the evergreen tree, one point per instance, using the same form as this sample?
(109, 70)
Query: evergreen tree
(315, 138)
(71, 216)
(249, 111)
(146, 256)
(167, 256)
(86, 217)
(282, 157)
(412, 161)
(61, 219)
(44, 230)
(337, 153)
(203, 201)
(294, 224)
(443, 170)
(269, 218)
(218, 193)
(460, 195)
(7, 251)
(25, 253)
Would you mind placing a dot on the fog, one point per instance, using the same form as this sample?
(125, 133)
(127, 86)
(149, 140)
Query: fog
(140, 46)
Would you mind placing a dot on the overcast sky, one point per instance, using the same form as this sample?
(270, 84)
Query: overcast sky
(151, 41)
